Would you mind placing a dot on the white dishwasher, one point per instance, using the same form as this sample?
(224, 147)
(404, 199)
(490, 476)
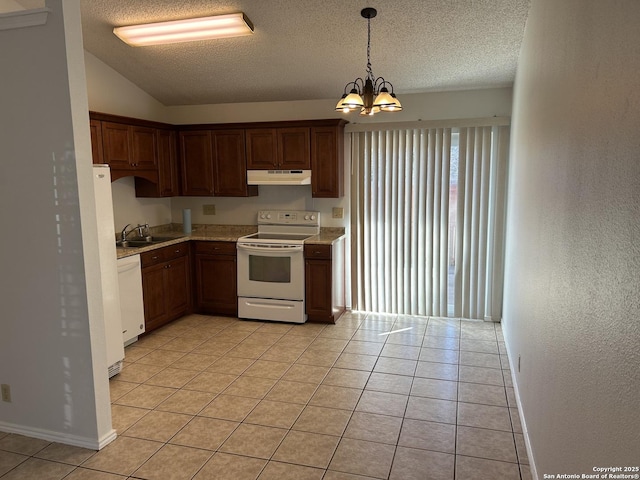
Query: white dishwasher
(131, 306)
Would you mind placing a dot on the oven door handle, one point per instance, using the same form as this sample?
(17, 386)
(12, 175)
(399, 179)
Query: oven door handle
(270, 248)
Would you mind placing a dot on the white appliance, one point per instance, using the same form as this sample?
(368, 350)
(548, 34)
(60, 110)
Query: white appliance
(279, 177)
(271, 266)
(108, 268)
(131, 303)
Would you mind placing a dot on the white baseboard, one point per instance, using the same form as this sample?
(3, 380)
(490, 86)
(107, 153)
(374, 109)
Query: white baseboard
(59, 437)
(523, 421)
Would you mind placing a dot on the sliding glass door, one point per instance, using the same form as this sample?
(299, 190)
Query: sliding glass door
(428, 229)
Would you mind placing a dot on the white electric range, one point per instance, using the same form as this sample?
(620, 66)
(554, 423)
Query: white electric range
(271, 266)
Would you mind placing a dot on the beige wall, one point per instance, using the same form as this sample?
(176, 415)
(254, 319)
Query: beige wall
(52, 341)
(572, 288)
(110, 92)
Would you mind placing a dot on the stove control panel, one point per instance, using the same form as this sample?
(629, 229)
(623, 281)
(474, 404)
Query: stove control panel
(288, 217)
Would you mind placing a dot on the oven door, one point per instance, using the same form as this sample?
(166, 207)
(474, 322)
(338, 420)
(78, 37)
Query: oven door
(271, 271)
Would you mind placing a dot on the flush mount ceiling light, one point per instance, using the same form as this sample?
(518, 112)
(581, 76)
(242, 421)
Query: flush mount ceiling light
(188, 30)
(370, 95)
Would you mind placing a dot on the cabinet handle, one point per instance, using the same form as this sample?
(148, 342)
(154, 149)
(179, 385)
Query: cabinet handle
(154, 258)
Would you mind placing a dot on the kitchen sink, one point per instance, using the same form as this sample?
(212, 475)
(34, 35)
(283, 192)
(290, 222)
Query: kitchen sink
(137, 243)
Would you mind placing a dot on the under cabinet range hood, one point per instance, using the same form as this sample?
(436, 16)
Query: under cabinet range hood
(279, 177)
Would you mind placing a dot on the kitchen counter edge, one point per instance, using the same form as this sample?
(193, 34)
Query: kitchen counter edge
(326, 237)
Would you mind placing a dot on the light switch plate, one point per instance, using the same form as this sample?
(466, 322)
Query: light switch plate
(208, 209)
(337, 212)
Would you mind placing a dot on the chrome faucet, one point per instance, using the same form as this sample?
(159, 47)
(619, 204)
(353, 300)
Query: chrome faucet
(143, 230)
(124, 233)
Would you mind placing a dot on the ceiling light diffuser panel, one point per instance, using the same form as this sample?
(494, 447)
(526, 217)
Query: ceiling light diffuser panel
(189, 30)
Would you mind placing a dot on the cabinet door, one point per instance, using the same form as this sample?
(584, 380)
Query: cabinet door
(177, 287)
(155, 312)
(116, 145)
(262, 148)
(216, 290)
(229, 163)
(143, 147)
(196, 159)
(327, 162)
(167, 164)
(294, 148)
(318, 289)
(96, 140)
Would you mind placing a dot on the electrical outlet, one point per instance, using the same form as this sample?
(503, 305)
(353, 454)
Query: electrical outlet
(337, 212)
(208, 209)
(6, 392)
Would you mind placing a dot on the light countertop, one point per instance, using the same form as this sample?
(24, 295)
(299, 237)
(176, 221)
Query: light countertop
(218, 233)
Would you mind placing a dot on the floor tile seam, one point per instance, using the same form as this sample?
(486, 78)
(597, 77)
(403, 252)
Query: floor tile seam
(482, 428)
(398, 358)
(427, 449)
(480, 366)
(506, 407)
(483, 404)
(490, 459)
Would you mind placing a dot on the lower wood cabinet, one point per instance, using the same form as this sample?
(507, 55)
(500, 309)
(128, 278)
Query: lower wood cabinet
(166, 284)
(324, 282)
(215, 278)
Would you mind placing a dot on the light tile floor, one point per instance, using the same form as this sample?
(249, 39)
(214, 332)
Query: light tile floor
(372, 397)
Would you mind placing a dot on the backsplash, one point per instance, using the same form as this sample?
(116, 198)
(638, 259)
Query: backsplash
(129, 209)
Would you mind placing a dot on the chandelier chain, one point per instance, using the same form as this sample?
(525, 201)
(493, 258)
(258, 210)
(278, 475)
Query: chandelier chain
(369, 69)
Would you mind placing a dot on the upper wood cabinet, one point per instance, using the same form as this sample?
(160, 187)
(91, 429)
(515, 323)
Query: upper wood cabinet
(139, 148)
(293, 148)
(96, 140)
(278, 148)
(230, 165)
(167, 159)
(213, 162)
(196, 163)
(129, 147)
(213, 159)
(327, 161)
(262, 148)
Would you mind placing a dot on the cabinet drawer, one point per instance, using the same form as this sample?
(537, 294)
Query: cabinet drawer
(147, 259)
(317, 251)
(176, 251)
(215, 248)
(164, 254)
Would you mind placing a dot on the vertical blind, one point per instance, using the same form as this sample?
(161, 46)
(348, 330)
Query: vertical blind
(428, 220)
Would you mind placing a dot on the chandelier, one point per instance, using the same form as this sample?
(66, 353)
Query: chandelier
(370, 95)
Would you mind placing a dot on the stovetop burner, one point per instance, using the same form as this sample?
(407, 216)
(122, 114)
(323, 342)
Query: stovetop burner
(282, 226)
(275, 236)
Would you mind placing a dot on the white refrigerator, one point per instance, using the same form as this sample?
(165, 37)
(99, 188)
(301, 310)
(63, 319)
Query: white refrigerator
(108, 265)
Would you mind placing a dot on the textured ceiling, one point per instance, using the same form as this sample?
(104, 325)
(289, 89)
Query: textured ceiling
(304, 50)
